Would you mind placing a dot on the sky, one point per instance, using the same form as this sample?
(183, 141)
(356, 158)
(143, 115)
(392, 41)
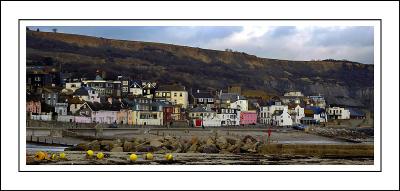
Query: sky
(354, 43)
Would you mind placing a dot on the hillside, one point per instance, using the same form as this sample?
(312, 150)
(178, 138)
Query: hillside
(340, 81)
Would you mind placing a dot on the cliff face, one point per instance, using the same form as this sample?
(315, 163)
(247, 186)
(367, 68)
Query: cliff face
(343, 82)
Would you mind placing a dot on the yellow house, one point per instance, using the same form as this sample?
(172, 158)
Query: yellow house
(176, 94)
(147, 117)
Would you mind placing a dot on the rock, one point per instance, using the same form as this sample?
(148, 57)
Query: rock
(210, 141)
(106, 145)
(194, 140)
(248, 148)
(117, 143)
(169, 138)
(192, 148)
(81, 147)
(156, 143)
(185, 146)
(249, 138)
(234, 148)
(222, 143)
(232, 141)
(128, 146)
(146, 148)
(208, 148)
(106, 142)
(94, 145)
(117, 149)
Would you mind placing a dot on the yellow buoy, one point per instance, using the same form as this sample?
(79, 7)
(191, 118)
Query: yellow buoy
(133, 157)
(169, 157)
(53, 157)
(40, 155)
(149, 156)
(62, 155)
(100, 155)
(89, 153)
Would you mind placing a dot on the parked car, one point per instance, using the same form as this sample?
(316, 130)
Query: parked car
(114, 125)
(299, 127)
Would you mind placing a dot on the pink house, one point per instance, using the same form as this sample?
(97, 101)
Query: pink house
(104, 116)
(248, 117)
(122, 116)
(33, 107)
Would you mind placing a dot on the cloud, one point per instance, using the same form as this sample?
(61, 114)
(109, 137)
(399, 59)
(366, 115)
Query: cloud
(302, 43)
(280, 42)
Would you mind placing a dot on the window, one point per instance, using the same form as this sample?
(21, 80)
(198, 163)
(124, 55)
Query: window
(37, 78)
(180, 94)
(200, 99)
(175, 94)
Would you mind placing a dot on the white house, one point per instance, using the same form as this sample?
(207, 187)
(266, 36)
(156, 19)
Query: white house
(318, 101)
(265, 112)
(136, 89)
(211, 119)
(87, 94)
(234, 101)
(281, 118)
(61, 108)
(73, 86)
(294, 93)
(297, 112)
(338, 113)
(229, 116)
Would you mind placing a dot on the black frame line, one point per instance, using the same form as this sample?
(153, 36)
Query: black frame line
(19, 97)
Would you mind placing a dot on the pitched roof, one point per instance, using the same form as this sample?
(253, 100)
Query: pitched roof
(231, 96)
(313, 109)
(134, 83)
(82, 91)
(199, 109)
(172, 87)
(75, 100)
(356, 112)
(202, 95)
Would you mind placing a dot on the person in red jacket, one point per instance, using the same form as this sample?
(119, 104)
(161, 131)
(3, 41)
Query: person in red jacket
(269, 134)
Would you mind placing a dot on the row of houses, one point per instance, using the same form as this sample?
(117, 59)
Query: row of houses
(148, 103)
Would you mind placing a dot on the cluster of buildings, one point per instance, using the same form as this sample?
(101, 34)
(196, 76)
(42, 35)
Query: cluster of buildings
(125, 101)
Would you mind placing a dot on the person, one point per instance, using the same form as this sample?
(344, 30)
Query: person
(269, 134)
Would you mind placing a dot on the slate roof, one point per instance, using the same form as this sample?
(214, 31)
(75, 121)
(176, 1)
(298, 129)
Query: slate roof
(355, 112)
(199, 109)
(82, 91)
(231, 96)
(173, 87)
(202, 95)
(314, 109)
